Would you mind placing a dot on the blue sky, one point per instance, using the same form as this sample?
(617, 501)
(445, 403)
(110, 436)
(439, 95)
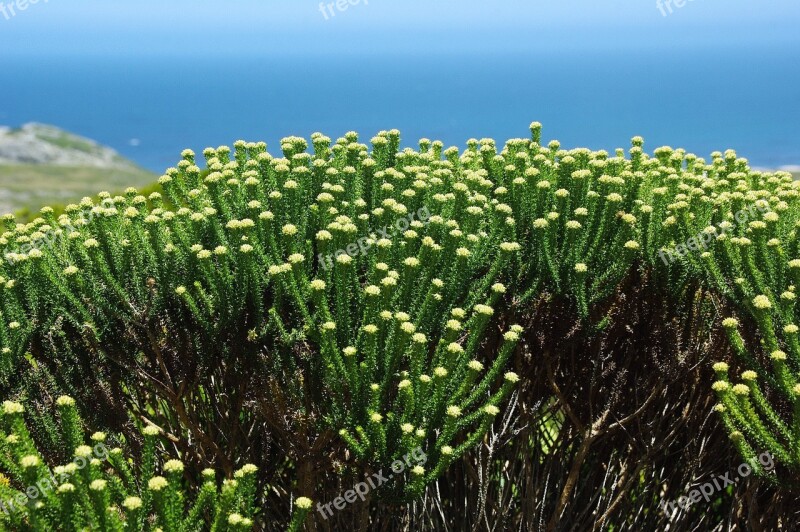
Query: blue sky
(180, 27)
(712, 74)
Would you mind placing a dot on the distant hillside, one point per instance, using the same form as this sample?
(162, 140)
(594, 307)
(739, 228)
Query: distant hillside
(41, 164)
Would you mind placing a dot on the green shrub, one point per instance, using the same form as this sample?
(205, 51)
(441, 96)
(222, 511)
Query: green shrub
(232, 298)
(103, 489)
(345, 306)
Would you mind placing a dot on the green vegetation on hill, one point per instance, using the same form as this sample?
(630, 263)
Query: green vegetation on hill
(44, 165)
(32, 186)
(63, 139)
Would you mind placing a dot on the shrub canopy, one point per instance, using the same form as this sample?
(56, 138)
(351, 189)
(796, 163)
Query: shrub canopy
(355, 303)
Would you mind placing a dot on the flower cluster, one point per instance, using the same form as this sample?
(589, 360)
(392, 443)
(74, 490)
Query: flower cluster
(105, 492)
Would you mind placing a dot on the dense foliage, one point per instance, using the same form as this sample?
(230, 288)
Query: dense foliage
(322, 315)
(102, 489)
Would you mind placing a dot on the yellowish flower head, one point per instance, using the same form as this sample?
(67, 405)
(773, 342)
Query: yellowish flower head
(11, 407)
(762, 302)
(720, 366)
(132, 503)
(741, 389)
(304, 503)
(29, 461)
(453, 411)
(173, 466)
(157, 483)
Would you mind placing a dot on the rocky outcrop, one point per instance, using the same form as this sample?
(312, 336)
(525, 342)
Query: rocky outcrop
(42, 144)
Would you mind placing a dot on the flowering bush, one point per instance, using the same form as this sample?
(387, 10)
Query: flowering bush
(344, 305)
(219, 306)
(101, 488)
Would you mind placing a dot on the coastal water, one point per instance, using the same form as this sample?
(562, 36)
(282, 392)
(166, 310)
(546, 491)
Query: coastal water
(150, 109)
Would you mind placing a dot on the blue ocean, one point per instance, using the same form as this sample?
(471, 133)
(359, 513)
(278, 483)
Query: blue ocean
(150, 109)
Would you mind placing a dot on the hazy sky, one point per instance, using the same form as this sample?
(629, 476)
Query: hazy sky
(181, 27)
